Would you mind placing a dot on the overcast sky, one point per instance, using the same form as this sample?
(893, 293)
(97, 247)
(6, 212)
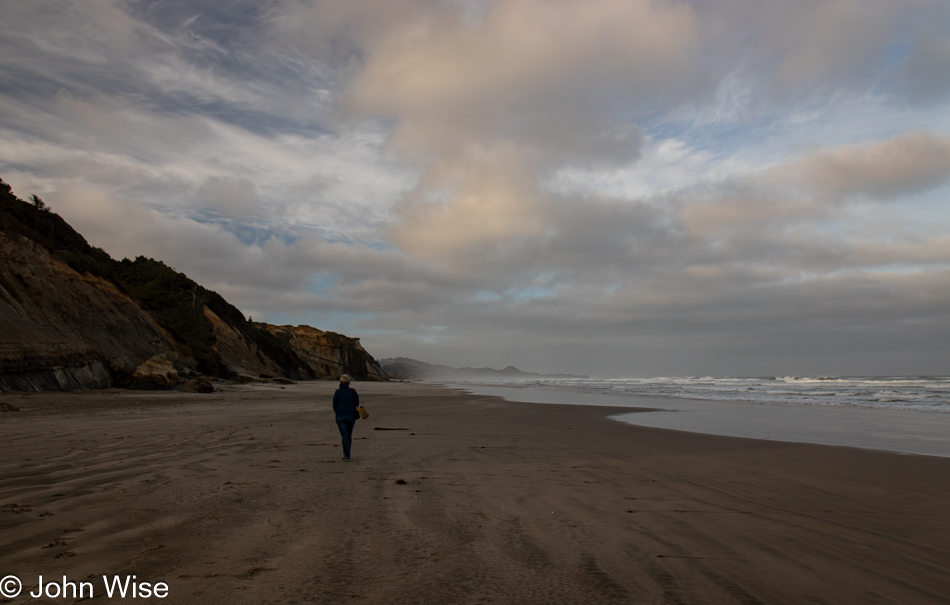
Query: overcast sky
(609, 187)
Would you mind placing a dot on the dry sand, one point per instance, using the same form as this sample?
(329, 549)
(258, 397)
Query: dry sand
(242, 496)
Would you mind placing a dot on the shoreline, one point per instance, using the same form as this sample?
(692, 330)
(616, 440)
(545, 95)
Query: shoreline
(900, 431)
(241, 496)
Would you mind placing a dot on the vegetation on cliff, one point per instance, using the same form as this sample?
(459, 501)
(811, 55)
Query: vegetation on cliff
(192, 314)
(37, 221)
(177, 303)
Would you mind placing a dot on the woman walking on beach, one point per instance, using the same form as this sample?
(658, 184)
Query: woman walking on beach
(345, 402)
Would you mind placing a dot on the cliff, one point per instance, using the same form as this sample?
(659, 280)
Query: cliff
(328, 354)
(223, 342)
(61, 329)
(71, 317)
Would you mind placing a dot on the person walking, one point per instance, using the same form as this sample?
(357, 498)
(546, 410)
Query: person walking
(345, 402)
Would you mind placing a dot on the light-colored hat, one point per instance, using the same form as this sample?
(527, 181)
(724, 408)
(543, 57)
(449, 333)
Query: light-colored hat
(345, 379)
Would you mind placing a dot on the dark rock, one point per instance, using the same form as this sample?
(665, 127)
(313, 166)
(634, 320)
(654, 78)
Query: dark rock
(196, 385)
(158, 373)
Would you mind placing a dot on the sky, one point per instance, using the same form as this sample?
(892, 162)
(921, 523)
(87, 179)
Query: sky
(609, 187)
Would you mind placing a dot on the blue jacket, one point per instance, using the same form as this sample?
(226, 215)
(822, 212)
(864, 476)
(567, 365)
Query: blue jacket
(345, 402)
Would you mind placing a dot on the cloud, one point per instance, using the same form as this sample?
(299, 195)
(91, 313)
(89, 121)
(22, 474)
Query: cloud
(533, 70)
(891, 169)
(487, 105)
(532, 87)
(491, 202)
(814, 47)
(270, 277)
(646, 186)
(814, 187)
(927, 68)
(234, 196)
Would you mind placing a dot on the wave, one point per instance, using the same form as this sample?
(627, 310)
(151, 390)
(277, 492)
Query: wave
(910, 393)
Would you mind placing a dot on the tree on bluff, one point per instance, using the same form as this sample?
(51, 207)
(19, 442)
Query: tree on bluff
(35, 220)
(39, 204)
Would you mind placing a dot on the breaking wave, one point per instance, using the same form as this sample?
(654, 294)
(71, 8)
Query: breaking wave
(912, 393)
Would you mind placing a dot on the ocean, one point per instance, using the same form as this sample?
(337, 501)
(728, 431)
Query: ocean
(897, 413)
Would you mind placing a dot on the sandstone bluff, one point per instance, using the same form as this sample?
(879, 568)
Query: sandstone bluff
(71, 318)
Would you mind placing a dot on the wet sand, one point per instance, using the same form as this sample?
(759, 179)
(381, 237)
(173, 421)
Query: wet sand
(242, 496)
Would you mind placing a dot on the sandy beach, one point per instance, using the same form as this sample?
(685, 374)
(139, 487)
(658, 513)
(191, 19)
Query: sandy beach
(242, 496)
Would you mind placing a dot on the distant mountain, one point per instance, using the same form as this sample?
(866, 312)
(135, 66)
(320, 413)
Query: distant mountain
(71, 317)
(404, 368)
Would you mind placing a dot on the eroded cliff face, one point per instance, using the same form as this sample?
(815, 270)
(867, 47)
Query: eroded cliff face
(328, 354)
(60, 330)
(244, 357)
(71, 317)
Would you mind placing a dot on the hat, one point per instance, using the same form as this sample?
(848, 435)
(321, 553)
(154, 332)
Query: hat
(345, 379)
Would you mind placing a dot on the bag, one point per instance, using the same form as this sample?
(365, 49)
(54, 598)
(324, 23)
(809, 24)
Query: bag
(363, 413)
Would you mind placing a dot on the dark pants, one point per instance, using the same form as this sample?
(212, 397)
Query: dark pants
(346, 431)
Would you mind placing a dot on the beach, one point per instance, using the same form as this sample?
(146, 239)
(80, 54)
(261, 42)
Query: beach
(242, 496)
